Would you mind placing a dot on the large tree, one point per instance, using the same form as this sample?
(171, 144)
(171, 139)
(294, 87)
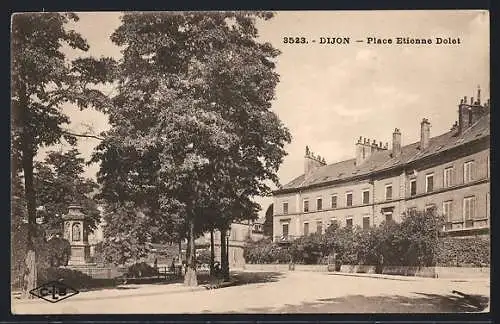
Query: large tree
(194, 97)
(59, 182)
(42, 80)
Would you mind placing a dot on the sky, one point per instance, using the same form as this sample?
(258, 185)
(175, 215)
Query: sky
(330, 95)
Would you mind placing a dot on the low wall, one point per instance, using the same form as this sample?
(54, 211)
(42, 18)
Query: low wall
(357, 268)
(97, 272)
(428, 272)
(459, 272)
(266, 267)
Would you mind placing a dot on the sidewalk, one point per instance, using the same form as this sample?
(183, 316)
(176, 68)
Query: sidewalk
(123, 291)
(403, 278)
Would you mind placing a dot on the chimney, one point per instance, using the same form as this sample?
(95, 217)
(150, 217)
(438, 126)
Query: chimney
(396, 142)
(425, 133)
(478, 95)
(311, 162)
(365, 148)
(468, 114)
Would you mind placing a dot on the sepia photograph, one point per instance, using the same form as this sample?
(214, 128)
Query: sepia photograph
(250, 162)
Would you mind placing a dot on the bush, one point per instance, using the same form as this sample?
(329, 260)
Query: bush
(308, 249)
(459, 252)
(141, 270)
(75, 279)
(413, 242)
(265, 251)
(203, 257)
(59, 250)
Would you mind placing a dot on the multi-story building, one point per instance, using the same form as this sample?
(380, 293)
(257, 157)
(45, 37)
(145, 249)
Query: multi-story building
(449, 172)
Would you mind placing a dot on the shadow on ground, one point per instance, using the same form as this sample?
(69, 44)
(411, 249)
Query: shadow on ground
(421, 303)
(237, 278)
(247, 278)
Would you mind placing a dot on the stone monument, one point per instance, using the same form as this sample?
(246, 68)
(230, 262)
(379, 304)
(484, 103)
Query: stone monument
(76, 233)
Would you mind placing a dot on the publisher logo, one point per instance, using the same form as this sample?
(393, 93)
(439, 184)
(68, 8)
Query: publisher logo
(54, 291)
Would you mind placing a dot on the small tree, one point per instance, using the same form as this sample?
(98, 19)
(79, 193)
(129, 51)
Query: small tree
(420, 231)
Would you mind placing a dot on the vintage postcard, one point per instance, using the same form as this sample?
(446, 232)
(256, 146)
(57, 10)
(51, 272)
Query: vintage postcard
(250, 162)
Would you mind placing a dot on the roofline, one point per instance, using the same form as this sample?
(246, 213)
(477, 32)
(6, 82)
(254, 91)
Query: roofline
(370, 174)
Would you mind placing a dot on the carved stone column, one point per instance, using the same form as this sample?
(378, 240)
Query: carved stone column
(75, 232)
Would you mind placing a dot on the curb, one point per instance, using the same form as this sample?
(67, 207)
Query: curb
(387, 277)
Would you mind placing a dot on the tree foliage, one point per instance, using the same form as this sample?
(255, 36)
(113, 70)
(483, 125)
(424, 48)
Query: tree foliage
(59, 182)
(193, 138)
(42, 80)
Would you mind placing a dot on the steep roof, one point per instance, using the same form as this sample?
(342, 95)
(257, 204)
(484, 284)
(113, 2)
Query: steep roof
(382, 160)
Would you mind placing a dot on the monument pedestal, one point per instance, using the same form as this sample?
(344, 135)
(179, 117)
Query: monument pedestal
(75, 232)
(80, 254)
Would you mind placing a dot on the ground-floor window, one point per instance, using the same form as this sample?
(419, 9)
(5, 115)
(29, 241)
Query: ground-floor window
(285, 229)
(366, 222)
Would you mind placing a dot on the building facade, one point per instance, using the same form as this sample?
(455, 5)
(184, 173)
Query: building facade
(239, 235)
(449, 172)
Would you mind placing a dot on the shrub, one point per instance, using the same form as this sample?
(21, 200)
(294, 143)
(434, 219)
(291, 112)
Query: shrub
(413, 242)
(59, 250)
(203, 257)
(140, 270)
(470, 251)
(308, 249)
(265, 251)
(75, 279)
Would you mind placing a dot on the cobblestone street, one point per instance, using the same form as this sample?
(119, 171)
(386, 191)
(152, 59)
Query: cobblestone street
(289, 292)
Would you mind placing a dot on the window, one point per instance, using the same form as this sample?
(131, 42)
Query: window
(388, 192)
(366, 197)
(319, 204)
(468, 169)
(448, 177)
(349, 199)
(429, 207)
(285, 208)
(388, 216)
(366, 222)
(488, 166)
(429, 183)
(319, 227)
(488, 205)
(306, 206)
(469, 208)
(285, 229)
(334, 201)
(412, 211)
(447, 210)
(413, 187)
(306, 229)
(348, 222)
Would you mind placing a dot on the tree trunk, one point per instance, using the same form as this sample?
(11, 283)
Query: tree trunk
(212, 252)
(190, 278)
(30, 277)
(224, 248)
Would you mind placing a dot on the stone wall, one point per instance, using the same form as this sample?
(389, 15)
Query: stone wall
(428, 272)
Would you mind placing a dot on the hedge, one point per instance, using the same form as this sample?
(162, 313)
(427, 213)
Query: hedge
(413, 242)
(468, 251)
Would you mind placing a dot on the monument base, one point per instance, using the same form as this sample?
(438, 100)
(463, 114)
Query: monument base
(80, 254)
